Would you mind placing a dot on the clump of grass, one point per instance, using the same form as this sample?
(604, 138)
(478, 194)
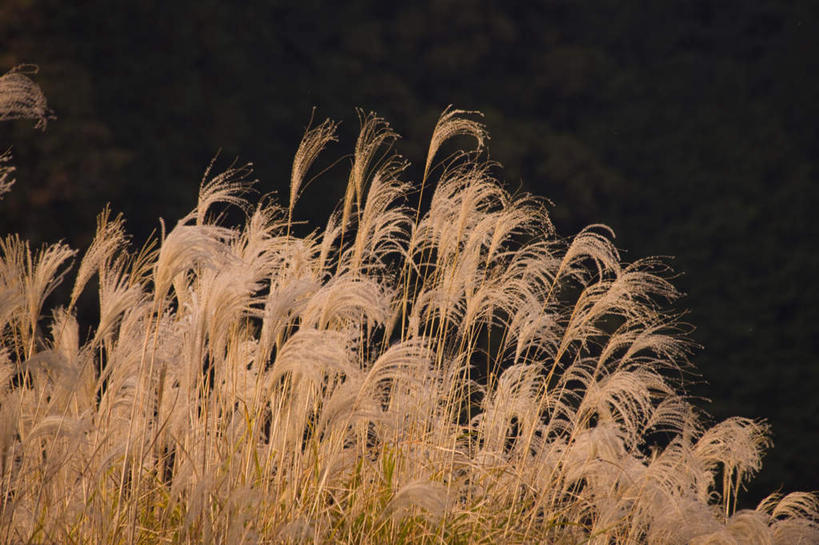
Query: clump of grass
(457, 374)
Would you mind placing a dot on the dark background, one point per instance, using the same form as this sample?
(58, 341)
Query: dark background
(689, 127)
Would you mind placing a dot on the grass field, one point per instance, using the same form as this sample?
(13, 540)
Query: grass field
(436, 365)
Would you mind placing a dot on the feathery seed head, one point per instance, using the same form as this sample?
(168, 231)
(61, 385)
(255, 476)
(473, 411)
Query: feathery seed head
(454, 373)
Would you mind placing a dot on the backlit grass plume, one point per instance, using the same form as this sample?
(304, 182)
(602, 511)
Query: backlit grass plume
(452, 373)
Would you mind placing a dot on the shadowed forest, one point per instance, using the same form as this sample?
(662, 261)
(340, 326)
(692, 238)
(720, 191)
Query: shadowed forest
(690, 128)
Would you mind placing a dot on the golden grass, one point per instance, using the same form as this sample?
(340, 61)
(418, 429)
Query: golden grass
(451, 375)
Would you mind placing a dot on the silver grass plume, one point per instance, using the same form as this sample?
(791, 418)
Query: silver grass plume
(6, 171)
(454, 122)
(312, 143)
(21, 98)
(454, 375)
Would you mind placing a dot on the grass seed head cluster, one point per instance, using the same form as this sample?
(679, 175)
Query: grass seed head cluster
(445, 373)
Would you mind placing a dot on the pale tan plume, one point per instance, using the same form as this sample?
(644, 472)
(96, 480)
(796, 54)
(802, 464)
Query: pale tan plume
(6, 171)
(21, 98)
(312, 143)
(463, 374)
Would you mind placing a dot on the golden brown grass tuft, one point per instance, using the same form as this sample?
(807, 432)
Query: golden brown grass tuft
(460, 375)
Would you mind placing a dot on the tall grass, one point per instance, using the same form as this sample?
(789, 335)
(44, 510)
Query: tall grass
(450, 373)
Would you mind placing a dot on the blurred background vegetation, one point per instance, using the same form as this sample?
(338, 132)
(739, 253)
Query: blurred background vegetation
(690, 127)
